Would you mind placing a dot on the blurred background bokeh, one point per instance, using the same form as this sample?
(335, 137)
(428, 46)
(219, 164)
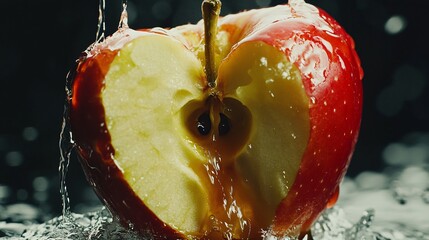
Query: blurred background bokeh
(40, 41)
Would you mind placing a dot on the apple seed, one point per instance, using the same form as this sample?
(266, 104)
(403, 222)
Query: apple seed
(204, 124)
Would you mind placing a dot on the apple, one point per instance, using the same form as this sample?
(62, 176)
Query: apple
(235, 127)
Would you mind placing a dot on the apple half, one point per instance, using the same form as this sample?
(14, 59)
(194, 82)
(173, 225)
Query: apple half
(262, 147)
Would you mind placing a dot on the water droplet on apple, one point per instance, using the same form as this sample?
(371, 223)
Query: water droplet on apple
(264, 61)
(269, 81)
(286, 75)
(343, 65)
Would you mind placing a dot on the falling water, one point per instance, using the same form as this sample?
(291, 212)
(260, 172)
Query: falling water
(66, 146)
(66, 143)
(223, 184)
(101, 27)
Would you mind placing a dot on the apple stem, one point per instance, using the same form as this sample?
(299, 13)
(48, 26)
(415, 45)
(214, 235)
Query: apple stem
(211, 11)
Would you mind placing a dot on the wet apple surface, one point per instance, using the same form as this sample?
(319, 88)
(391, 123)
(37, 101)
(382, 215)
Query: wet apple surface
(262, 148)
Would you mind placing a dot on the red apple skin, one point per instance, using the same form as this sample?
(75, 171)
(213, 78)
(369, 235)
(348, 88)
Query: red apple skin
(335, 119)
(331, 74)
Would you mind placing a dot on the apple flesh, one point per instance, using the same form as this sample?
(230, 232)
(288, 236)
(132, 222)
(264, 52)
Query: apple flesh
(262, 150)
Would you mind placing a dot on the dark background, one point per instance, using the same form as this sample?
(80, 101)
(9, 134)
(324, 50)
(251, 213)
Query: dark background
(40, 41)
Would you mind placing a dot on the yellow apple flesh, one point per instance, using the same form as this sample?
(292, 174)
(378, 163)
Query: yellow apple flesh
(155, 80)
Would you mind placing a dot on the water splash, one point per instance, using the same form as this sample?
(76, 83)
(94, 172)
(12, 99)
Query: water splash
(123, 22)
(334, 224)
(92, 225)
